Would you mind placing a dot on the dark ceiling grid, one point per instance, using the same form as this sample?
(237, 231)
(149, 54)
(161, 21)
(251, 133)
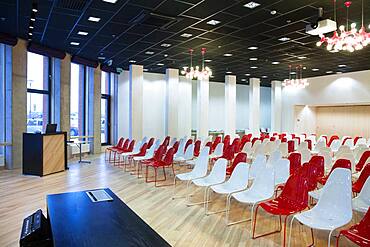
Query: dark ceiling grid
(239, 28)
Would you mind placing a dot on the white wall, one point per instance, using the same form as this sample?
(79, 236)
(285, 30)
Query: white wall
(242, 107)
(123, 104)
(349, 88)
(265, 107)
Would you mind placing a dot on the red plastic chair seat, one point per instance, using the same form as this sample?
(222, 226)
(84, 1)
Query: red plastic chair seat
(353, 235)
(359, 233)
(279, 207)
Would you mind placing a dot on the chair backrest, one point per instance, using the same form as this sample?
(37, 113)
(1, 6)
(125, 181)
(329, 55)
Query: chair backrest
(364, 194)
(181, 149)
(344, 139)
(341, 163)
(120, 141)
(218, 151)
(173, 140)
(334, 145)
(151, 142)
(218, 172)
(130, 148)
(143, 149)
(204, 152)
(291, 145)
(197, 145)
(319, 144)
(302, 146)
(240, 157)
(236, 145)
(227, 139)
(137, 147)
(247, 148)
(344, 149)
(365, 173)
(239, 177)
(125, 144)
(305, 155)
(283, 147)
(295, 162)
(264, 182)
(358, 152)
(363, 227)
(176, 146)
(216, 142)
(360, 141)
(208, 144)
(158, 154)
(168, 157)
(295, 192)
(257, 165)
(150, 152)
(157, 143)
(332, 138)
(189, 152)
(166, 141)
(229, 153)
(328, 160)
(281, 170)
(336, 197)
(365, 158)
(275, 156)
(188, 142)
(318, 163)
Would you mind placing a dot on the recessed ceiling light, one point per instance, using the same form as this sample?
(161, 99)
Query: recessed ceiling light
(244, 79)
(251, 5)
(253, 59)
(329, 72)
(132, 61)
(283, 39)
(252, 48)
(110, 1)
(254, 67)
(83, 33)
(30, 34)
(160, 64)
(208, 60)
(275, 63)
(314, 69)
(165, 55)
(301, 57)
(213, 22)
(145, 69)
(292, 73)
(273, 12)
(101, 58)
(94, 19)
(247, 74)
(342, 65)
(264, 76)
(186, 35)
(31, 27)
(149, 52)
(33, 19)
(304, 67)
(165, 45)
(228, 55)
(34, 10)
(229, 72)
(75, 43)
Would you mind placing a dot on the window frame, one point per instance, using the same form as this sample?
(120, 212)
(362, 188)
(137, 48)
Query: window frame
(107, 98)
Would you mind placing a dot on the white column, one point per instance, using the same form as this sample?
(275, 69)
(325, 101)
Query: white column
(254, 105)
(230, 105)
(276, 106)
(202, 108)
(136, 102)
(172, 103)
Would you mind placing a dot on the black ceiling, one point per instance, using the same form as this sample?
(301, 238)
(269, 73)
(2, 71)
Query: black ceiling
(130, 28)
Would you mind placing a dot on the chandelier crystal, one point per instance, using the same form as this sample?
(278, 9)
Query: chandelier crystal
(297, 82)
(347, 40)
(195, 72)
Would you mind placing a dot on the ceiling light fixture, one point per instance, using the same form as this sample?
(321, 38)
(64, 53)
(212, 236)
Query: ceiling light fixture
(229, 72)
(254, 67)
(94, 19)
(145, 69)
(160, 64)
(251, 5)
(244, 79)
(149, 52)
(315, 69)
(213, 22)
(195, 72)
(165, 55)
(297, 81)
(30, 34)
(110, 1)
(275, 63)
(186, 35)
(264, 76)
(247, 74)
(252, 48)
(33, 19)
(301, 57)
(228, 55)
(253, 59)
(82, 33)
(75, 43)
(273, 12)
(329, 72)
(31, 27)
(165, 45)
(208, 60)
(101, 58)
(34, 10)
(342, 65)
(283, 39)
(132, 61)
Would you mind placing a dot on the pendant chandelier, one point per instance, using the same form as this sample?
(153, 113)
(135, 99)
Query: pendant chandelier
(347, 39)
(298, 81)
(195, 72)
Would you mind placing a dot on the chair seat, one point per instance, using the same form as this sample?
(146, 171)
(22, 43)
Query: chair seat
(359, 205)
(315, 194)
(206, 181)
(247, 197)
(187, 176)
(315, 220)
(140, 158)
(227, 188)
(277, 207)
(353, 235)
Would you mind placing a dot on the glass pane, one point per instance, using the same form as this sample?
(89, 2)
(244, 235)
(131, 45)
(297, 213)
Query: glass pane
(105, 81)
(77, 100)
(37, 71)
(104, 121)
(37, 112)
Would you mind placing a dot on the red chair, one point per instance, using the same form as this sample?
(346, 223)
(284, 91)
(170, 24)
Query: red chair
(309, 144)
(167, 162)
(291, 147)
(359, 233)
(158, 154)
(197, 148)
(318, 163)
(227, 139)
(272, 139)
(293, 199)
(332, 138)
(342, 163)
(345, 139)
(236, 145)
(363, 160)
(297, 138)
(356, 139)
(284, 139)
(166, 141)
(228, 154)
(365, 173)
(176, 146)
(295, 162)
(188, 142)
(240, 157)
(120, 150)
(215, 143)
(128, 149)
(150, 143)
(254, 140)
(111, 149)
(141, 153)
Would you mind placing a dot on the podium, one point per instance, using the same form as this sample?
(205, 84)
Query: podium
(44, 154)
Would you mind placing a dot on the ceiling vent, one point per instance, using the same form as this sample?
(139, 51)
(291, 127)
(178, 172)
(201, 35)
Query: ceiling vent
(154, 19)
(72, 4)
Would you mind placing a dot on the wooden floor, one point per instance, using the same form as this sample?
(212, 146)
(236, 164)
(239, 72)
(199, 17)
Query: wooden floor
(172, 219)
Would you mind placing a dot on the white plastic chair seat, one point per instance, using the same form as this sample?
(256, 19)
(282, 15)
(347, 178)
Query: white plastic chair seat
(315, 194)
(249, 197)
(360, 205)
(207, 181)
(140, 158)
(237, 182)
(200, 168)
(216, 176)
(316, 220)
(188, 176)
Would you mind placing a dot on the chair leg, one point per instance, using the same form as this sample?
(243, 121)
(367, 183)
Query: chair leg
(198, 203)
(340, 234)
(269, 233)
(331, 232)
(228, 207)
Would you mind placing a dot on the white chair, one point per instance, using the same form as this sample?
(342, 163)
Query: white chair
(247, 149)
(173, 141)
(342, 139)
(262, 189)
(322, 138)
(283, 147)
(334, 146)
(320, 144)
(203, 153)
(281, 170)
(328, 160)
(189, 155)
(302, 146)
(237, 182)
(334, 208)
(343, 149)
(148, 155)
(312, 138)
(269, 148)
(200, 170)
(136, 150)
(258, 164)
(358, 152)
(259, 150)
(145, 139)
(361, 203)
(274, 157)
(218, 151)
(349, 143)
(181, 150)
(216, 176)
(325, 149)
(305, 155)
(361, 141)
(368, 142)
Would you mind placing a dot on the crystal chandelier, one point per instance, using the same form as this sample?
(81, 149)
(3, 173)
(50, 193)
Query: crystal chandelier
(298, 81)
(195, 72)
(347, 39)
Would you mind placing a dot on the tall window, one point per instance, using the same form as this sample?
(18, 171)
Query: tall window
(78, 100)
(38, 92)
(105, 108)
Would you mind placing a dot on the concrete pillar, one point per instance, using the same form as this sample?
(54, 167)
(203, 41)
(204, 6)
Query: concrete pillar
(276, 106)
(185, 107)
(202, 108)
(97, 110)
(65, 94)
(254, 105)
(230, 105)
(18, 105)
(136, 106)
(172, 103)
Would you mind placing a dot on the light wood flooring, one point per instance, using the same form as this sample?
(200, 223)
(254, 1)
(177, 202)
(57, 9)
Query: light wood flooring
(179, 224)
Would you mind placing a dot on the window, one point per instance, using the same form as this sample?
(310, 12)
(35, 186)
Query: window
(78, 100)
(105, 108)
(2, 101)
(38, 92)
